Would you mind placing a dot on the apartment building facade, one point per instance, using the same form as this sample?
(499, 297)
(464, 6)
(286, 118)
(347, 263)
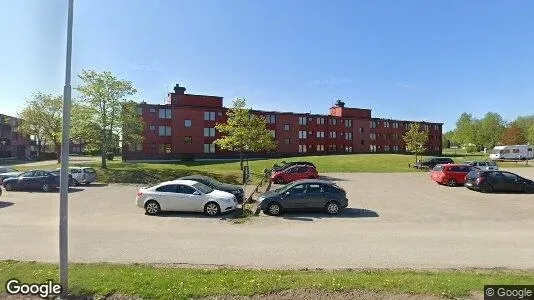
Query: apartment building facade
(184, 128)
(12, 144)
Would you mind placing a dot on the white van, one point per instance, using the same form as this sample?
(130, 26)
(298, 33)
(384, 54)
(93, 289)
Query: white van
(517, 152)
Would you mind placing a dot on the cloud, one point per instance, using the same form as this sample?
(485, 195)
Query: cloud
(406, 86)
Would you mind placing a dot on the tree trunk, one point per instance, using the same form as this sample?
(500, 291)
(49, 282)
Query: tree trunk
(58, 153)
(104, 151)
(241, 160)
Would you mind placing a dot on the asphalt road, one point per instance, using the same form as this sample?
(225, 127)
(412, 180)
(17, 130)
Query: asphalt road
(393, 221)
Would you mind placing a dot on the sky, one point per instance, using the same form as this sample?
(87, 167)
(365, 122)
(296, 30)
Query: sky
(410, 60)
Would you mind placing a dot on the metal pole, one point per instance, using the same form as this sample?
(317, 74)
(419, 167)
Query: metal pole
(64, 177)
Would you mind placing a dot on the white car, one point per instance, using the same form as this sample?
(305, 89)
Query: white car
(184, 195)
(81, 175)
(484, 165)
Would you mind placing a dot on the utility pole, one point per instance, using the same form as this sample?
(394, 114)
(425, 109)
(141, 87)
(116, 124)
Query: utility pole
(64, 177)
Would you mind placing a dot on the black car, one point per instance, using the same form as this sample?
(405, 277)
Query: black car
(432, 162)
(488, 181)
(293, 163)
(217, 185)
(303, 195)
(32, 180)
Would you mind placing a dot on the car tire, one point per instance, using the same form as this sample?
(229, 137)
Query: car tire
(280, 180)
(487, 188)
(75, 182)
(152, 208)
(212, 209)
(452, 182)
(332, 208)
(8, 186)
(46, 188)
(273, 209)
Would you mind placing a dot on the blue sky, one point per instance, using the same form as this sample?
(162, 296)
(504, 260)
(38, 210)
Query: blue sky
(422, 60)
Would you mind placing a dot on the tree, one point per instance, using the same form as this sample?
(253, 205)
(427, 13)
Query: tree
(244, 132)
(513, 135)
(416, 140)
(490, 131)
(42, 118)
(465, 131)
(105, 110)
(530, 134)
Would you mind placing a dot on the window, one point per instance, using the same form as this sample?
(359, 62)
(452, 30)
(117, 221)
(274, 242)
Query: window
(303, 134)
(152, 128)
(209, 132)
(299, 189)
(320, 134)
(303, 121)
(169, 188)
(386, 148)
(395, 125)
(332, 147)
(152, 110)
(320, 121)
(348, 148)
(529, 149)
(361, 130)
(388, 136)
(164, 130)
(273, 133)
(395, 148)
(372, 148)
(165, 148)
(139, 110)
(348, 136)
(164, 113)
(515, 151)
(287, 141)
(314, 189)
(373, 136)
(333, 134)
(348, 123)
(209, 116)
(271, 119)
(395, 136)
(188, 140)
(406, 125)
(209, 148)
(373, 124)
(302, 149)
(320, 147)
(386, 124)
(286, 127)
(426, 126)
(188, 123)
(333, 121)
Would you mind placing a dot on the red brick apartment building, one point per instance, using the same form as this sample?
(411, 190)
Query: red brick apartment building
(184, 128)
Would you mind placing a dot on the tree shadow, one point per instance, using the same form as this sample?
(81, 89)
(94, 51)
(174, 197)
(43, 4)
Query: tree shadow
(347, 213)
(196, 215)
(4, 204)
(95, 185)
(330, 178)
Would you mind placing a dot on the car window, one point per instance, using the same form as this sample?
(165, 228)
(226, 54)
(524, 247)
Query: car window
(75, 171)
(492, 164)
(169, 188)
(302, 169)
(203, 188)
(27, 174)
(314, 188)
(298, 189)
(185, 189)
(509, 176)
(292, 170)
(89, 170)
(464, 169)
(39, 174)
(438, 168)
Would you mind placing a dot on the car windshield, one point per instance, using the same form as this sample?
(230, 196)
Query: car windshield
(203, 188)
(89, 170)
(491, 163)
(212, 181)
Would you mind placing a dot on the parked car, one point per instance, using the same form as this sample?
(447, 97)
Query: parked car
(450, 174)
(483, 165)
(32, 180)
(81, 175)
(184, 195)
(294, 163)
(294, 173)
(498, 181)
(432, 162)
(6, 172)
(236, 190)
(303, 195)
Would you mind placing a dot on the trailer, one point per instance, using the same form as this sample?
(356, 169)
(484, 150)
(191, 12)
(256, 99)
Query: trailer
(512, 152)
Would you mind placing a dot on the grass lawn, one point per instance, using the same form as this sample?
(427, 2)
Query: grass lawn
(151, 282)
(229, 171)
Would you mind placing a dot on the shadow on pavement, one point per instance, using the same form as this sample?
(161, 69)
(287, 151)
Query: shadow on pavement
(346, 213)
(329, 178)
(4, 204)
(168, 214)
(95, 185)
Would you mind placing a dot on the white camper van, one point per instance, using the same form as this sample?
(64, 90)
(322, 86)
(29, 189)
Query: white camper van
(512, 152)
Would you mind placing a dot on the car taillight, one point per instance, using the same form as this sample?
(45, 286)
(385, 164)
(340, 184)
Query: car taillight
(480, 180)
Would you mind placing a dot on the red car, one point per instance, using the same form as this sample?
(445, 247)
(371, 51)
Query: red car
(294, 173)
(450, 174)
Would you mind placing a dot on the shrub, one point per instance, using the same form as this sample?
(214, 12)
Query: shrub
(110, 156)
(471, 149)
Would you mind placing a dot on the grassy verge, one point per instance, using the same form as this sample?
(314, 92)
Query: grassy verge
(151, 282)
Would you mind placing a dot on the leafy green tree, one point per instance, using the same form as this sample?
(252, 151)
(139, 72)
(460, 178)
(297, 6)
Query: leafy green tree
(416, 139)
(465, 131)
(244, 132)
(530, 135)
(525, 123)
(42, 118)
(490, 130)
(105, 111)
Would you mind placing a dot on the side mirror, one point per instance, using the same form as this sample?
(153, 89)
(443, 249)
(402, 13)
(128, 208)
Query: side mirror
(287, 193)
(196, 193)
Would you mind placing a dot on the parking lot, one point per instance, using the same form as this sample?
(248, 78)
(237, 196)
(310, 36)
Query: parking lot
(394, 220)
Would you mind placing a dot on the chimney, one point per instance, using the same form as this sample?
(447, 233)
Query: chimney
(179, 89)
(340, 103)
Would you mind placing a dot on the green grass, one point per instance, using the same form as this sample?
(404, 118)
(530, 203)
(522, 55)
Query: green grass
(229, 171)
(152, 282)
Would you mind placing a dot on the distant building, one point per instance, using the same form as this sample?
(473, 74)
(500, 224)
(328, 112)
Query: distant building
(184, 128)
(12, 144)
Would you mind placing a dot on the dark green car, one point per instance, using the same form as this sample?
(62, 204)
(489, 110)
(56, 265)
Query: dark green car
(304, 194)
(217, 185)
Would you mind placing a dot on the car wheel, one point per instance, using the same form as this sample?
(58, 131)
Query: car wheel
(8, 186)
(75, 182)
(452, 182)
(332, 208)
(487, 188)
(152, 208)
(280, 180)
(273, 209)
(212, 209)
(46, 187)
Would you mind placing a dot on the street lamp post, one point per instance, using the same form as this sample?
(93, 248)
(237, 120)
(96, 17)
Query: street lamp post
(64, 176)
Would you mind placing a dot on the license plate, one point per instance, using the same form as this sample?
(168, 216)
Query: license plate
(468, 184)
